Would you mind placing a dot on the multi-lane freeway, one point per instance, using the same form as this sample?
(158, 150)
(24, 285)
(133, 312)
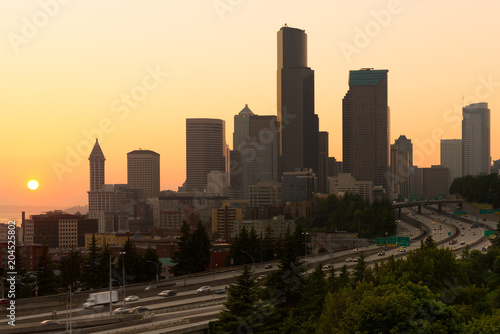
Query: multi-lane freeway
(187, 307)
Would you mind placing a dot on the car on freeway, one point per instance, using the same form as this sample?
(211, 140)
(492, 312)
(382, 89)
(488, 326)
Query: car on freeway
(348, 259)
(355, 250)
(268, 266)
(122, 310)
(202, 289)
(4, 301)
(462, 243)
(463, 234)
(261, 277)
(452, 242)
(417, 230)
(131, 298)
(356, 259)
(139, 309)
(150, 287)
(166, 293)
(327, 266)
(402, 250)
(381, 253)
(220, 291)
(49, 322)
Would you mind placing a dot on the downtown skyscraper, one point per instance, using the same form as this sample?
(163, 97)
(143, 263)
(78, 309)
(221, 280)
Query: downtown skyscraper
(143, 172)
(299, 125)
(365, 127)
(476, 158)
(206, 151)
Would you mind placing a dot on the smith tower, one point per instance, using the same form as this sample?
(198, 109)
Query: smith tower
(96, 160)
(299, 125)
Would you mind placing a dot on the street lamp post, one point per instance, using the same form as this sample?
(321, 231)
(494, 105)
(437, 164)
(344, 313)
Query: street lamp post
(123, 276)
(305, 244)
(110, 288)
(253, 261)
(157, 270)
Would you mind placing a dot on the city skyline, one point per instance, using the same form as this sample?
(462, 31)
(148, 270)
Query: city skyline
(68, 83)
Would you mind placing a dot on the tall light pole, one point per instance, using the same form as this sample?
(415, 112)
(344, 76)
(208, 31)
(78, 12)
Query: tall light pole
(253, 261)
(305, 244)
(157, 270)
(123, 276)
(110, 288)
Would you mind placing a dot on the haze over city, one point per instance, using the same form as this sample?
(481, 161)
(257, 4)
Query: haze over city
(131, 73)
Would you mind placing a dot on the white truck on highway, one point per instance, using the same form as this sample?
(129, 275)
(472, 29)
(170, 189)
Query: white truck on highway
(100, 298)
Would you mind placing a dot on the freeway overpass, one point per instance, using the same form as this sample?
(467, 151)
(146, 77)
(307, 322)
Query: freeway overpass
(419, 204)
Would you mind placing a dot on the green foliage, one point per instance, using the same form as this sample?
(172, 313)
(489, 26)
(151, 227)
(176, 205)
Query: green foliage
(183, 257)
(47, 280)
(478, 189)
(71, 270)
(240, 307)
(353, 214)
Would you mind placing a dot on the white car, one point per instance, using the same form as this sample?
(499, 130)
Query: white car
(203, 289)
(131, 298)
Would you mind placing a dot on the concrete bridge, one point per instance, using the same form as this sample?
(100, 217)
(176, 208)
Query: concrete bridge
(419, 204)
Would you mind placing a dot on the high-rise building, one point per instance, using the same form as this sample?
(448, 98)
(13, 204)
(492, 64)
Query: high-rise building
(299, 125)
(451, 157)
(241, 127)
(322, 162)
(143, 172)
(401, 158)
(365, 127)
(255, 140)
(96, 160)
(299, 185)
(432, 183)
(206, 151)
(476, 139)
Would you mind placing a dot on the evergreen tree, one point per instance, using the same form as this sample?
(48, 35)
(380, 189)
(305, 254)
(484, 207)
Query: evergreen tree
(71, 270)
(200, 249)
(132, 264)
(46, 279)
(240, 308)
(183, 258)
(90, 266)
(103, 261)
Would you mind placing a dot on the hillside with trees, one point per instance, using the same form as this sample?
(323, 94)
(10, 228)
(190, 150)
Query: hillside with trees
(478, 189)
(429, 291)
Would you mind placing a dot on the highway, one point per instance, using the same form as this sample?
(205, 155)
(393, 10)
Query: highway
(187, 305)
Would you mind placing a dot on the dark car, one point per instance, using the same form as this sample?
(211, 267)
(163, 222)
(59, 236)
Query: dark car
(139, 309)
(268, 266)
(167, 293)
(220, 291)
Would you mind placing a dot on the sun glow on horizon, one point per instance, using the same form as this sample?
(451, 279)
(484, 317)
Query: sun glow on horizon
(33, 184)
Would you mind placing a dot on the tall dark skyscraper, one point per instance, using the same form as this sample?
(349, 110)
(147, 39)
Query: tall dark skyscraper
(323, 162)
(365, 127)
(206, 151)
(299, 125)
(476, 139)
(143, 172)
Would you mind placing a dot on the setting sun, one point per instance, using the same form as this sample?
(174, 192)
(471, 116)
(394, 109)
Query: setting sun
(33, 184)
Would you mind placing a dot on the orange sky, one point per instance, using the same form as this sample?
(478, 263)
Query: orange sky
(136, 70)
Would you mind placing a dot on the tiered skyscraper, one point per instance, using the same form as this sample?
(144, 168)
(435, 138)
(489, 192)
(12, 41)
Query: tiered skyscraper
(143, 172)
(206, 151)
(476, 139)
(365, 125)
(299, 125)
(255, 142)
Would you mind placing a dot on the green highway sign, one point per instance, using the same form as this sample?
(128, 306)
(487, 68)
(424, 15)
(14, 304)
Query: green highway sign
(381, 241)
(489, 233)
(404, 241)
(392, 241)
(460, 213)
(485, 211)
(449, 233)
